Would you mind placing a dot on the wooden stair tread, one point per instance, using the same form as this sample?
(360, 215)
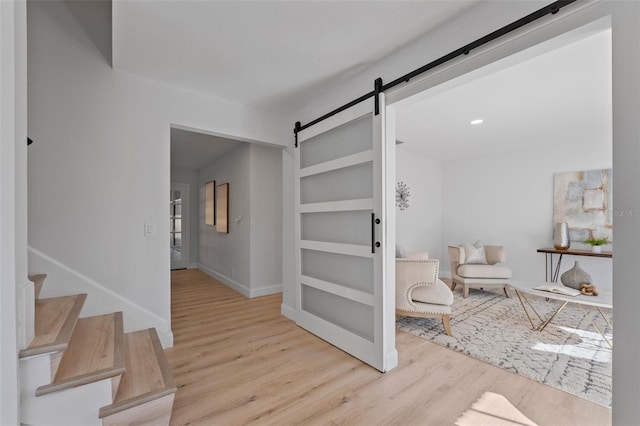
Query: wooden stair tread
(37, 280)
(147, 375)
(95, 352)
(55, 320)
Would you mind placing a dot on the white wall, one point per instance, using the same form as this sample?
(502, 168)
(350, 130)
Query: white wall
(190, 177)
(500, 199)
(100, 168)
(248, 257)
(229, 255)
(477, 22)
(507, 199)
(419, 228)
(266, 220)
(13, 236)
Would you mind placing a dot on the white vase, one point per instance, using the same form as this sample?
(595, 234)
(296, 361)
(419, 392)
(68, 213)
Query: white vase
(596, 249)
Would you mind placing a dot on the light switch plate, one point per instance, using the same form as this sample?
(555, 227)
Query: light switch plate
(149, 230)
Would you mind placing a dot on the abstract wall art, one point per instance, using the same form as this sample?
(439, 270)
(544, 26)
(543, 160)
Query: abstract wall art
(584, 201)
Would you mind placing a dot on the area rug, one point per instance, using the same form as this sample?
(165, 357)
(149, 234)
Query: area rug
(569, 354)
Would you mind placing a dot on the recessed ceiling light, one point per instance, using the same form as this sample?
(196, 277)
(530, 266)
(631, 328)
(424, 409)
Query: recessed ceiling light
(478, 121)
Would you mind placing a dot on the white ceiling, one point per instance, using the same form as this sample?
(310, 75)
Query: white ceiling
(545, 99)
(279, 54)
(269, 54)
(192, 151)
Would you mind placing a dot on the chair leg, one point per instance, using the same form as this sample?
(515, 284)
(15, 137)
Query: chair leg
(453, 284)
(446, 324)
(465, 291)
(506, 293)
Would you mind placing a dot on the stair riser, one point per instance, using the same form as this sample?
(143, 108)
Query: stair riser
(76, 406)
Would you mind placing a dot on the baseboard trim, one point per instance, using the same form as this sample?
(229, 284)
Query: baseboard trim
(192, 266)
(240, 288)
(288, 312)
(266, 290)
(166, 338)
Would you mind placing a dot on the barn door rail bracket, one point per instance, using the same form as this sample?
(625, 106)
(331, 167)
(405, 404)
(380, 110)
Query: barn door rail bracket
(550, 9)
(377, 88)
(296, 129)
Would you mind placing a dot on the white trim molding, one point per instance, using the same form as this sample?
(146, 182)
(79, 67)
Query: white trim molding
(241, 288)
(288, 311)
(63, 280)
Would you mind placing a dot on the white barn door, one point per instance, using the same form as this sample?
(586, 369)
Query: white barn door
(341, 292)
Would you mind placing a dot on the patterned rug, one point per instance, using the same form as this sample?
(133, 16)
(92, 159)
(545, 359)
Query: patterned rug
(569, 354)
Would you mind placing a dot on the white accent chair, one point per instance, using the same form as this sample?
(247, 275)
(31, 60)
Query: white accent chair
(419, 292)
(493, 274)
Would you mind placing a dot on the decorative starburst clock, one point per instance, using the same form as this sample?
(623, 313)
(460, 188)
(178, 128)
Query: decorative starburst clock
(402, 195)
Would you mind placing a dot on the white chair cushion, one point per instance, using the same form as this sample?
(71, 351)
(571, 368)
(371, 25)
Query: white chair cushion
(438, 294)
(484, 271)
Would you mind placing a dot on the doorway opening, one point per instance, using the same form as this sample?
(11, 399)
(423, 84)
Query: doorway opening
(482, 152)
(241, 254)
(545, 112)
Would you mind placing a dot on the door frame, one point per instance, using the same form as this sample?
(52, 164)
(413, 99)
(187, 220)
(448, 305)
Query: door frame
(184, 188)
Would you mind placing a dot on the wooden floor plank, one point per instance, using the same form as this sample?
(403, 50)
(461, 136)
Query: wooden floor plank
(237, 361)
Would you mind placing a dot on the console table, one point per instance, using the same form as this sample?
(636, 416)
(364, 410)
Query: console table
(551, 273)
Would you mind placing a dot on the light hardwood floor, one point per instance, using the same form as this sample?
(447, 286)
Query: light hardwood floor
(237, 361)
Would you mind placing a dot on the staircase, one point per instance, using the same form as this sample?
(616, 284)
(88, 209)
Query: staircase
(87, 371)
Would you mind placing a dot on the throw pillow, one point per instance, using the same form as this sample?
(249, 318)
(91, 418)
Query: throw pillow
(474, 254)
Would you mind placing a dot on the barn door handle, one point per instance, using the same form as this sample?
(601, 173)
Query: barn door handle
(374, 243)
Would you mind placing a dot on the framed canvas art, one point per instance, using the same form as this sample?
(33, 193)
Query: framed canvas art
(210, 203)
(222, 208)
(584, 201)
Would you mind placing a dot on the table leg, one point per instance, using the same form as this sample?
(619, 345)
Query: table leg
(595, 326)
(546, 266)
(603, 317)
(524, 308)
(554, 278)
(542, 327)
